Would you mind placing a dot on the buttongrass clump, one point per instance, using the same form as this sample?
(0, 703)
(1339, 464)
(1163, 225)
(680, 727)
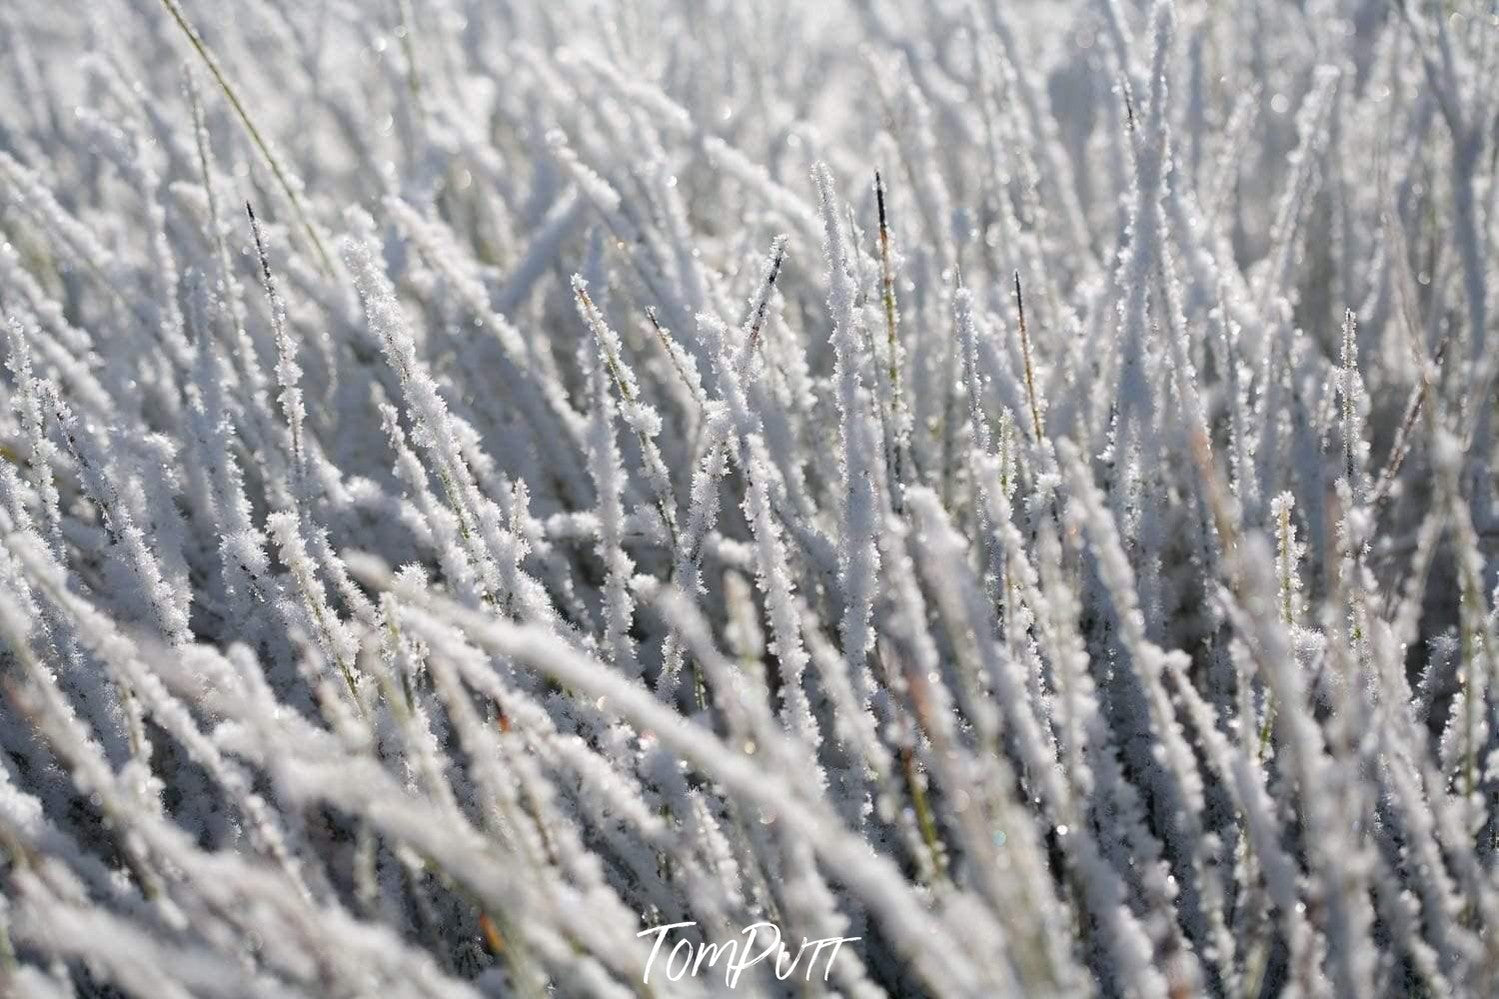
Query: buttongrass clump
(1012, 486)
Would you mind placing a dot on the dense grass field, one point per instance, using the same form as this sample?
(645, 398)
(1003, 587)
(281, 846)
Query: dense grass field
(684, 497)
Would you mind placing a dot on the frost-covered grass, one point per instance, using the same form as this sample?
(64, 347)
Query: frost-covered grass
(1009, 483)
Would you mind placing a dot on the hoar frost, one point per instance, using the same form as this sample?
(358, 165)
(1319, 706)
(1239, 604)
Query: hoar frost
(860, 499)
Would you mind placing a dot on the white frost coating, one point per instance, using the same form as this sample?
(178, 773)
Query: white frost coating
(1004, 487)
